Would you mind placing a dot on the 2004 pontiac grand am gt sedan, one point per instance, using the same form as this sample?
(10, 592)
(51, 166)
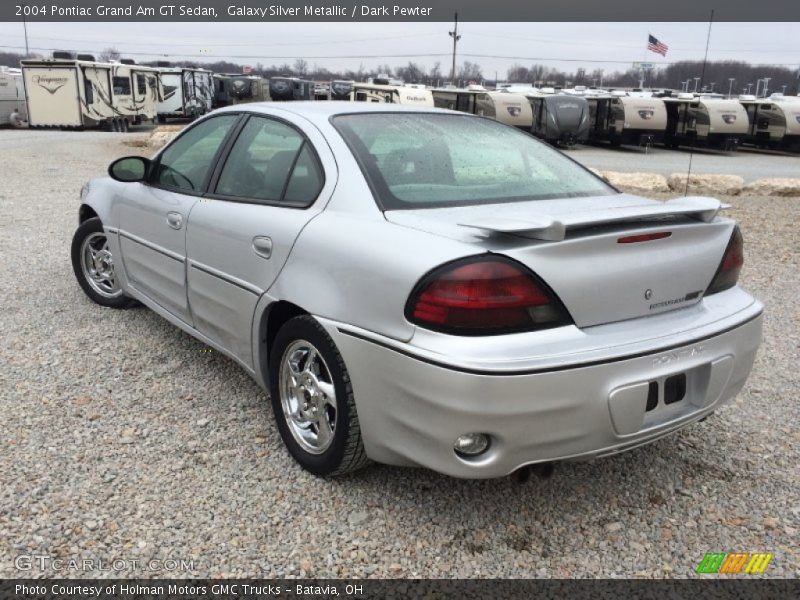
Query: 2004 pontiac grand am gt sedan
(423, 287)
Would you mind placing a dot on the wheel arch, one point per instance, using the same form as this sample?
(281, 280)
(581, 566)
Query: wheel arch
(270, 319)
(86, 212)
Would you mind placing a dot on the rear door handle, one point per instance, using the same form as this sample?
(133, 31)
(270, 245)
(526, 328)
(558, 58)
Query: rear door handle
(262, 245)
(174, 220)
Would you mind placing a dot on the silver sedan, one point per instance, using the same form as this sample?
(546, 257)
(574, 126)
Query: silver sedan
(423, 287)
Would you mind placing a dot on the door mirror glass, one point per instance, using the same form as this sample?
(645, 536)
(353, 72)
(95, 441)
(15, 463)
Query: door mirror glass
(129, 168)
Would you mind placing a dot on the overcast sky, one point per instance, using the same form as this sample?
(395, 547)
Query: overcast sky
(609, 46)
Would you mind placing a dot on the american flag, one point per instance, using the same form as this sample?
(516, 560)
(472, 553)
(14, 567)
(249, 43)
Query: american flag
(655, 46)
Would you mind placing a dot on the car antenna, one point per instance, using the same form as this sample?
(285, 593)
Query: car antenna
(702, 78)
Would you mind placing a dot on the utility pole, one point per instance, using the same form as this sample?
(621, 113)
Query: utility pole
(730, 85)
(696, 81)
(25, 27)
(766, 83)
(456, 37)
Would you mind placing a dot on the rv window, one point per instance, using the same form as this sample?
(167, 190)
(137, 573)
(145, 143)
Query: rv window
(122, 86)
(260, 163)
(429, 160)
(766, 106)
(361, 96)
(186, 163)
(88, 91)
(141, 83)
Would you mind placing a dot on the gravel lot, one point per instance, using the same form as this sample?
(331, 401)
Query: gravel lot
(123, 438)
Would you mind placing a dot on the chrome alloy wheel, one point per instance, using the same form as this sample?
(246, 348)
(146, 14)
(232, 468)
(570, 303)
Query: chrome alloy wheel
(97, 264)
(308, 397)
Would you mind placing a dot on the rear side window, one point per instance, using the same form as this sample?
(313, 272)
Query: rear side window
(273, 163)
(186, 163)
(430, 160)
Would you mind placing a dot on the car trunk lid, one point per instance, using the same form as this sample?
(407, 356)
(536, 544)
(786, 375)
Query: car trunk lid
(588, 250)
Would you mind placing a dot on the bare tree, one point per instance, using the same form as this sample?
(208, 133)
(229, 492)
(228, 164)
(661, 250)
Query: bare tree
(436, 72)
(301, 67)
(470, 71)
(109, 54)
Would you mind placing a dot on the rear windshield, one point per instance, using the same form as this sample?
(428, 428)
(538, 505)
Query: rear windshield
(426, 160)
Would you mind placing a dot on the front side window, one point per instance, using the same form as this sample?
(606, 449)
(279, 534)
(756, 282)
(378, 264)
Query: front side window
(141, 84)
(273, 163)
(187, 162)
(424, 160)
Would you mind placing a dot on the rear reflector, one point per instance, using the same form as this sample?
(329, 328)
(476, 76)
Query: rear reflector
(482, 296)
(728, 272)
(645, 237)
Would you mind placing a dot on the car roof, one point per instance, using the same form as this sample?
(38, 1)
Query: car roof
(322, 110)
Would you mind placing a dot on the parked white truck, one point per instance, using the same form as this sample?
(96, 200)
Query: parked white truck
(188, 92)
(83, 93)
(12, 94)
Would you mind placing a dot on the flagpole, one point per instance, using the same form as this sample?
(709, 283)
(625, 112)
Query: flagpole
(641, 65)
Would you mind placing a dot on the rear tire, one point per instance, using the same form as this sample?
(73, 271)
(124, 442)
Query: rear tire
(93, 265)
(312, 400)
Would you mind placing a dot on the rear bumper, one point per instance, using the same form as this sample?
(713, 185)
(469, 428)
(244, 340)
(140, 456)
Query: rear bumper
(412, 408)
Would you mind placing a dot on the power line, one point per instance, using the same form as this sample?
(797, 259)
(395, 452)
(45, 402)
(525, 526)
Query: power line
(235, 44)
(208, 57)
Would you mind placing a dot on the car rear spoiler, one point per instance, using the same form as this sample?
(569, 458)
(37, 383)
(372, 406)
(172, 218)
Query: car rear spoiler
(548, 228)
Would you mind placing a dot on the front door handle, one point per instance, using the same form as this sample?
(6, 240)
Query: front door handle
(262, 245)
(174, 220)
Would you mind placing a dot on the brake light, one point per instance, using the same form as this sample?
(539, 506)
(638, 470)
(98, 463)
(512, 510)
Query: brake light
(482, 296)
(728, 272)
(644, 237)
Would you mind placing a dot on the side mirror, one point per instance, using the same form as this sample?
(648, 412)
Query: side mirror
(129, 168)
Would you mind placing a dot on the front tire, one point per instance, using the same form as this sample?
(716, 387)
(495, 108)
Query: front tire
(93, 264)
(312, 400)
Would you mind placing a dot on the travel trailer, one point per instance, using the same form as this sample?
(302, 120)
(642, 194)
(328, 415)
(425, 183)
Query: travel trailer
(774, 121)
(559, 119)
(341, 89)
(188, 92)
(621, 119)
(248, 88)
(701, 121)
(222, 85)
(322, 91)
(290, 88)
(393, 94)
(508, 108)
(83, 93)
(12, 94)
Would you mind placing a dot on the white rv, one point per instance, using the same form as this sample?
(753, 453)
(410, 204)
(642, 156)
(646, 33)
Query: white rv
(188, 92)
(374, 92)
(774, 121)
(506, 107)
(12, 94)
(84, 93)
(703, 121)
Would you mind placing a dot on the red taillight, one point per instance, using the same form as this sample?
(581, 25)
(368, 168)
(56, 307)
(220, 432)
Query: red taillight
(482, 295)
(728, 272)
(644, 237)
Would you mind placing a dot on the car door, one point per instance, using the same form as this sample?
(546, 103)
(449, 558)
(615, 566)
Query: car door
(153, 214)
(239, 236)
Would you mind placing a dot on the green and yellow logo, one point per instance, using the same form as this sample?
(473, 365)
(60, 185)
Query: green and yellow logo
(739, 562)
